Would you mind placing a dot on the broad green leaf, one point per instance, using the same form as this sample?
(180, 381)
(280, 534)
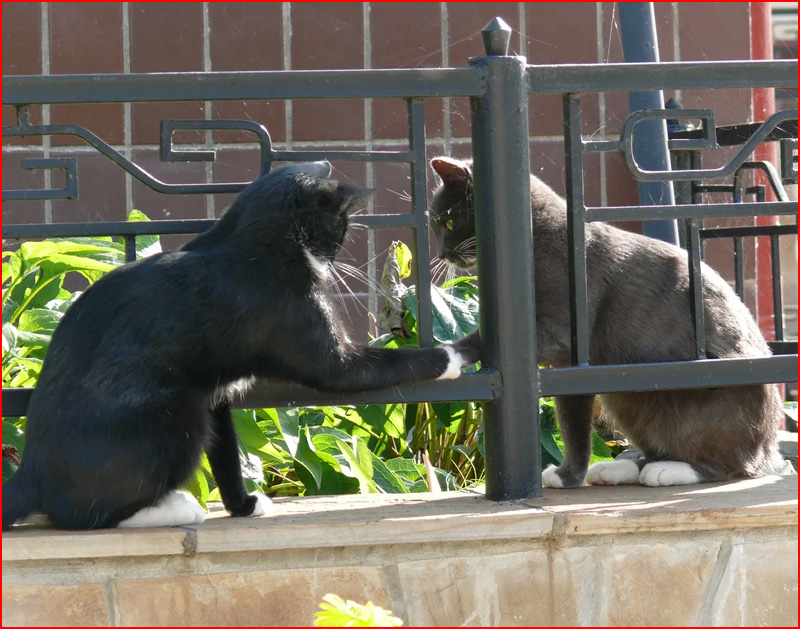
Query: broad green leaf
(40, 320)
(359, 464)
(33, 289)
(13, 436)
(197, 485)
(63, 262)
(14, 338)
(312, 418)
(550, 434)
(385, 478)
(406, 468)
(9, 470)
(329, 431)
(449, 414)
(248, 431)
(467, 281)
(454, 315)
(73, 250)
(551, 453)
(288, 423)
(419, 487)
(332, 483)
(12, 267)
(600, 451)
(375, 416)
(145, 245)
(251, 467)
(388, 340)
(447, 481)
(307, 457)
(9, 308)
(62, 305)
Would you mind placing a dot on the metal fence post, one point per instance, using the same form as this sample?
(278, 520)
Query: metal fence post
(501, 172)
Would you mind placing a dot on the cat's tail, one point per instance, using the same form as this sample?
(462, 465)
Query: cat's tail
(20, 497)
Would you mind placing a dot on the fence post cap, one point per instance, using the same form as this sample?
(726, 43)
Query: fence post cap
(496, 37)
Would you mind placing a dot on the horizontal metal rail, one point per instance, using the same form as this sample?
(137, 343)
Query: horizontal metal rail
(169, 227)
(642, 77)
(688, 210)
(423, 82)
(745, 231)
(664, 376)
(470, 387)
(481, 386)
(277, 85)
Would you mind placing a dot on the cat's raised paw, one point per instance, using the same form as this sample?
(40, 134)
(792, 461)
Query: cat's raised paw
(667, 473)
(619, 472)
(454, 365)
(176, 509)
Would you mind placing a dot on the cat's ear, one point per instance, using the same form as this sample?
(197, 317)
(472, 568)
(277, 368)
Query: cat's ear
(353, 196)
(451, 171)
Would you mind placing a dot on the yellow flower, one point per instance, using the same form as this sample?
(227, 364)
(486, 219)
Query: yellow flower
(338, 613)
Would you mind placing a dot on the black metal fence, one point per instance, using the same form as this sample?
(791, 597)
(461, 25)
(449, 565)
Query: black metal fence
(499, 87)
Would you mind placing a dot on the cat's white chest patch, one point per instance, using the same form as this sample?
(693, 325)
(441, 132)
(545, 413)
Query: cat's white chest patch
(239, 387)
(318, 266)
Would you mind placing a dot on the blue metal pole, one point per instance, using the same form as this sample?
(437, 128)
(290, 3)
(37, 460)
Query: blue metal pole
(640, 44)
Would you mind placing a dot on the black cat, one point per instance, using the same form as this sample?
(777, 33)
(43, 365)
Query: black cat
(638, 312)
(138, 377)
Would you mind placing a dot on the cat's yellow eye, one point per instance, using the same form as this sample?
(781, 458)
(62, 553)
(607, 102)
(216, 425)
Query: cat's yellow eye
(449, 225)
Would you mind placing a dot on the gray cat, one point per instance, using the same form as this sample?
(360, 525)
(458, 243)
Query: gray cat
(639, 312)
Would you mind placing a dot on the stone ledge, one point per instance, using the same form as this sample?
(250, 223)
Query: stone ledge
(720, 554)
(373, 520)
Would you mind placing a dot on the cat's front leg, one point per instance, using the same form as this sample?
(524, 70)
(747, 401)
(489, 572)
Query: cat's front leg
(462, 353)
(574, 413)
(469, 347)
(223, 455)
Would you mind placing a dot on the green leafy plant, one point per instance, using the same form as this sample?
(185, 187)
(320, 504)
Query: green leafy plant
(304, 451)
(34, 301)
(335, 612)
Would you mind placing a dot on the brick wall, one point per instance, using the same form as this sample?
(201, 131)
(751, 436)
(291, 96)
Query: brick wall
(74, 37)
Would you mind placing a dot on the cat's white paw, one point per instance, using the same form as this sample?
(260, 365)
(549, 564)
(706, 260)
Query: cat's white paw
(454, 365)
(619, 472)
(262, 507)
(666, 473)
(551, 479)
(176, 509)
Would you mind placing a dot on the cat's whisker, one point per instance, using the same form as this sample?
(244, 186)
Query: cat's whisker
(348, 254)
(358, 274)
(466, 245)
(404, 196)
(336, 286)
(436, 269)
(356, 300)
(373, 258)
(444, 271)
(451, 273)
